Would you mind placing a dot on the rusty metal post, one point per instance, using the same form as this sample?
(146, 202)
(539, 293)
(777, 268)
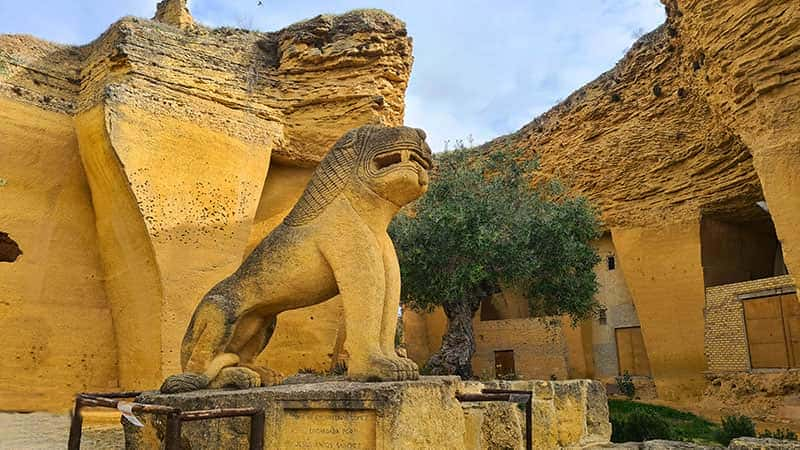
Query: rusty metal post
(507, 395)
(172, 437)
(529, 423)
(257, 430)
(76, 425)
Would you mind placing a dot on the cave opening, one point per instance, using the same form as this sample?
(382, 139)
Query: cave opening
(9, 249)
(740, 247)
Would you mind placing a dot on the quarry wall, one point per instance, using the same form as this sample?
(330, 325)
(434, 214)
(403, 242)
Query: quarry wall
(141, 168)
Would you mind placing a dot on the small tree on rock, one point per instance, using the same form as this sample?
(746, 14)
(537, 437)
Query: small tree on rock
(484, 224)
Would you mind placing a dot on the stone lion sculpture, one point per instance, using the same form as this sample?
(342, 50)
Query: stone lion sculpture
(333, 242)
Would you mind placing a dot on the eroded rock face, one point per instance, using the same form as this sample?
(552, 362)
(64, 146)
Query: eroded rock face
(174, 12)
(156, 142)
(641, 157)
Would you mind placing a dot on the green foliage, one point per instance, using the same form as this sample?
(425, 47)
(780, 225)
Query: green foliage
(640, 425)
(484, 224)
(681, 426)
(735, 426)
(781, 433)
(625, 385)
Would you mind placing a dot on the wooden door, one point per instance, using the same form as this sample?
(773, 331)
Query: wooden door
(766, 335)
(791, 327)
(631, 352)
(504, 363)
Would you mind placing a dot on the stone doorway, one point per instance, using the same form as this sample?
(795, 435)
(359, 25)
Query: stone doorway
(631, 352)
(504, 363)
(773, 331)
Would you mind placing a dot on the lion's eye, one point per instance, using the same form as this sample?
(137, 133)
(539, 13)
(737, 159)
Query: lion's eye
(417, 159)
(384, 161)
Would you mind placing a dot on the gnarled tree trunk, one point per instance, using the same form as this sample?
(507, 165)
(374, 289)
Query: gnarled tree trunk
(458, 343)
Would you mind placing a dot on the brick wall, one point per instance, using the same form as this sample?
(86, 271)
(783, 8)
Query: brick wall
(725, 335)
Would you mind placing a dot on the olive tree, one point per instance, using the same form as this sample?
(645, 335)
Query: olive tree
(488, 222)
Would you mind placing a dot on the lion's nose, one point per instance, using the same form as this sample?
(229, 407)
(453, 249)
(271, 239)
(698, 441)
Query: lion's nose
(423, 178)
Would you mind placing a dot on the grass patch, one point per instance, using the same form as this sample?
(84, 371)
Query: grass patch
(682, 426)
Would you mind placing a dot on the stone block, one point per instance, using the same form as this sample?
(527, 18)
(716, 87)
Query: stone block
(566, 414)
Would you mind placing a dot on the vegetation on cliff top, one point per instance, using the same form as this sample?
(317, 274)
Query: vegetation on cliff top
(484, 224)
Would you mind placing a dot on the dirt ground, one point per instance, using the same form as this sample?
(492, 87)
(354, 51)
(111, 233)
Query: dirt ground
(23, 431)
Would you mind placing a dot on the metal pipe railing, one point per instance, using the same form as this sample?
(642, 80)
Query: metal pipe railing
(507, 395)
(175, 418)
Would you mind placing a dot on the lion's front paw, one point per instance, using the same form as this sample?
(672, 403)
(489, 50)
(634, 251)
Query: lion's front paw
(410, 367)
(269, 377)
(236, 378)
(382, 368)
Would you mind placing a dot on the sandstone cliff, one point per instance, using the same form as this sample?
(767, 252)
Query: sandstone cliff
(139, 169)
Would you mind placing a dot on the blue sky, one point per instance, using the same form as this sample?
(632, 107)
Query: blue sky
(482, 68)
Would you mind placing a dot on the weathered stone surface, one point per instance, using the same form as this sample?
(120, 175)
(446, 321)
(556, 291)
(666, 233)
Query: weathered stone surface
(174, 12)
(394, 415)
(749, 443)
(55, 319)
(176, 133)
(566, 414)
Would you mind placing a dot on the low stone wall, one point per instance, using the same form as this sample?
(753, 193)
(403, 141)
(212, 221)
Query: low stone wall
(566, 414)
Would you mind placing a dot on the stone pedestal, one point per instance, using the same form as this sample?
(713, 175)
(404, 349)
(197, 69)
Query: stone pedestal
(400, 415)
(323, 415)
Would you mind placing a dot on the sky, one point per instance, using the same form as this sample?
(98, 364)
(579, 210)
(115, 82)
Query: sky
(482, 69)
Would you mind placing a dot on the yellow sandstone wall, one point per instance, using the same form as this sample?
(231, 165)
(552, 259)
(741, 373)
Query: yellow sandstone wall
(55, 321)
(664, 273)
(131, 277)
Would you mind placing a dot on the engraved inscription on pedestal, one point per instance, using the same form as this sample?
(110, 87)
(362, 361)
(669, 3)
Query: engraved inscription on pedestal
(311, 429)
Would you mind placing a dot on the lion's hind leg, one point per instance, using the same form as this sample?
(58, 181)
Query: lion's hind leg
(251, 337)
(203, 353)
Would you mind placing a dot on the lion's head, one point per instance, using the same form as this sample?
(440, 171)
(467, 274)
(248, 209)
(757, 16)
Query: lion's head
(392, 162)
